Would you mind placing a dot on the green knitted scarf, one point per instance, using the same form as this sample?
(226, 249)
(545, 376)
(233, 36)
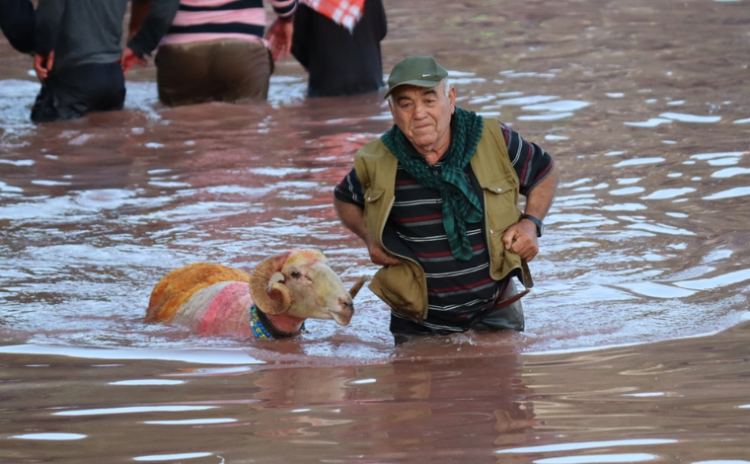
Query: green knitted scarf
(460, 202)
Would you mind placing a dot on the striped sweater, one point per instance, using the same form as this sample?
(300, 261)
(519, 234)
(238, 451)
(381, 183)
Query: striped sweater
(202, 20)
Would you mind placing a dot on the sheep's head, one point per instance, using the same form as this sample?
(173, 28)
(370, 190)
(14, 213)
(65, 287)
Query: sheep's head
(300, 283)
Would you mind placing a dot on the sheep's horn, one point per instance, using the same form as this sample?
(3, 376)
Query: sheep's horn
(357, 286)
(270, 297)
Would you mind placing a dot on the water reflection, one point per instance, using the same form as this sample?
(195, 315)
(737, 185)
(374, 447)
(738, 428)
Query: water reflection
(403, 406)
(50, 436)
(93, 211)
(172, 457)
(588, 445)
(599, 458)
(131, 410)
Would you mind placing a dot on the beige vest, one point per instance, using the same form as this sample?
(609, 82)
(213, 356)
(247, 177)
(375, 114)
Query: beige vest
(404, 287)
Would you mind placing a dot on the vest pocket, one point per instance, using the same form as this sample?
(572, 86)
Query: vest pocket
(373, 204)
(500, 202)
(373, 194)
(399, 287)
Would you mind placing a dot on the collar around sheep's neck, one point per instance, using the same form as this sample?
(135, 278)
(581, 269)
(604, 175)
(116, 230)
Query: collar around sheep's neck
(263, 328)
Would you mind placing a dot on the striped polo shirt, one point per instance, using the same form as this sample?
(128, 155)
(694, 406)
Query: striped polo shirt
(202, 20)
(456, 290)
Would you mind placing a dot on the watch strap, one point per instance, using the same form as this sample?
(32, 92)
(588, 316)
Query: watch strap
(538, 223)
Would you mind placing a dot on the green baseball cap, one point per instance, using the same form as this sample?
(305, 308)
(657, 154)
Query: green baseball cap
(422, 71)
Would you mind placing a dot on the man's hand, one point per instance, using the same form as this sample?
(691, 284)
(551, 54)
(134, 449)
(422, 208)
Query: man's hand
(520, 238)
(43, 65)
(129, 59)
(379, 256)
(279, 38)
(352, 217)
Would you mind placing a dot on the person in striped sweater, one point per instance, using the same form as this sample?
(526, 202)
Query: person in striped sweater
(435, 200)
(215, 50)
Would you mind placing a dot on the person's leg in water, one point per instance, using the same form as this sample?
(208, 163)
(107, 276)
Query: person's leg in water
(74, 92)
(508, 317)
(226, 70)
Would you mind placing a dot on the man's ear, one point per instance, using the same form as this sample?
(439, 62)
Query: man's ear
(452, 99)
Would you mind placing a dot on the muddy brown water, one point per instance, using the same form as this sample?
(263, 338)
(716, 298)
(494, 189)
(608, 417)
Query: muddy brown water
(636, 342)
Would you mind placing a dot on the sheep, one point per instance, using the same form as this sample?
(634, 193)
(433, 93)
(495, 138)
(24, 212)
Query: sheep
(286, 289)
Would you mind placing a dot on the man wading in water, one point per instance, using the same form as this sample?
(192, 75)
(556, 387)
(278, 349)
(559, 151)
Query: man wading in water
(435, 201)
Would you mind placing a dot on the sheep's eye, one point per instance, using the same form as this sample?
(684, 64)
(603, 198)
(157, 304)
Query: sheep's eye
(295, 274)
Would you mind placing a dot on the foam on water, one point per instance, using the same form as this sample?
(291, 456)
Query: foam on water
(200, 356)
(668, 193)
(653, 122)
(731, 193)
(599, 458)
(558, 106)
(723, 173)
(639, 161)
(588, 445)
(627, 191)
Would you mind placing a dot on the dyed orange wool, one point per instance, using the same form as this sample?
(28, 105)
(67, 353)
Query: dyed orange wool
(179, 285)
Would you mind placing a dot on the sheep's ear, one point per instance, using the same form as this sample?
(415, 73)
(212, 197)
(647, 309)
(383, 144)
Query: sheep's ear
(276, 278)
(267, 289)
(281, 297)
(357, 286)
(279, 294)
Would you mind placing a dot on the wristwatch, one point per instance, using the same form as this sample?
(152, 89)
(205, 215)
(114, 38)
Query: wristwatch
(539, 224)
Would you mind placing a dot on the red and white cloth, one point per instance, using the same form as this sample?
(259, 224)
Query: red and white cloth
(343, 12)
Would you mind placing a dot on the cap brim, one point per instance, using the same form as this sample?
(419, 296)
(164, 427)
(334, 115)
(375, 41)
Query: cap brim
(416, 83)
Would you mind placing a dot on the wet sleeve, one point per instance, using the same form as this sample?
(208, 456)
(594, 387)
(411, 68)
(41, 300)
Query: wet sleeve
(350, 190)
(531, 162)
(284, 8)
(48, 18)
(157, 22)
(300, 38)
(382, 20)
(17, 23)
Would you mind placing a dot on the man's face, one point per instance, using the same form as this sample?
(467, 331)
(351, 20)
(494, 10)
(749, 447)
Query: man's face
(424, 115)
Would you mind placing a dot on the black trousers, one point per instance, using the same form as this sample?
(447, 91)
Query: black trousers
(508, 317)
(73, 92)
(17, 21)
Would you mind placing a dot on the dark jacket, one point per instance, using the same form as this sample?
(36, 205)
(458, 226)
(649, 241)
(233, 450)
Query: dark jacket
(340, 62)
(90, 31)
(17, 23)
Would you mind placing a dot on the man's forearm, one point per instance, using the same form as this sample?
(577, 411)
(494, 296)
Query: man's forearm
(352, 217)
(48, 17)
(540, 199)
(160, 15)
(138, 12)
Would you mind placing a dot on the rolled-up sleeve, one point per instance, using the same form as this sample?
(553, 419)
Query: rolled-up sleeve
(531, 162)
(48, 18)
(349, 190)
(284, 8)
(157, 22)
